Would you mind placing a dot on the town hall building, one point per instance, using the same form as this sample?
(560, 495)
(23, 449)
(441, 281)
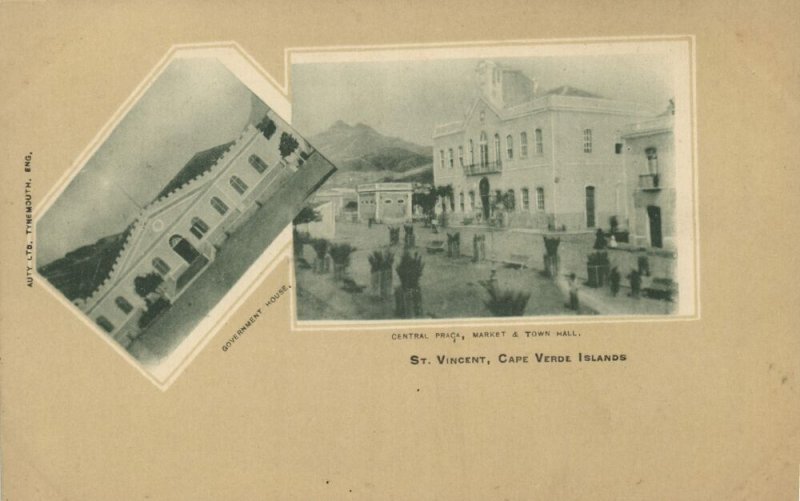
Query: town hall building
(544, 160)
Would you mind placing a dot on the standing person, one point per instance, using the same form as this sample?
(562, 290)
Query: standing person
(635, 279)
(573, 292)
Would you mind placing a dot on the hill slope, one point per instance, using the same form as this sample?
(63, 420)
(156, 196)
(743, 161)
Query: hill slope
(364, 155)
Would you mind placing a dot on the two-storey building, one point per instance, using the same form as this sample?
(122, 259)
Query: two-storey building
(548, 159)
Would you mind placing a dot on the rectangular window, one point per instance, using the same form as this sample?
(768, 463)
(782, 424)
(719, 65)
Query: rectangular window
(461, 156)
(509, 147)
(441, 159)
(587, 140)
(450, 157)
(523, 144)
(461, 201)
(539, 142)
(526, 202)
(540, 198)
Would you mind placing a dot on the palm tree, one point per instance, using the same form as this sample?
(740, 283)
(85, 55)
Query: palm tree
(444, 193)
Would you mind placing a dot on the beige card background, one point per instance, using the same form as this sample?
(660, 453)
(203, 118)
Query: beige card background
(704, 409)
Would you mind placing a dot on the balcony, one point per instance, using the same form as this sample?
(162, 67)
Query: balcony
(649, 182)
(482, 169)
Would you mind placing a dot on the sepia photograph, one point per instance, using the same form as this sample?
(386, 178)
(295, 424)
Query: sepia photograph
(508, 183)
(180, 200)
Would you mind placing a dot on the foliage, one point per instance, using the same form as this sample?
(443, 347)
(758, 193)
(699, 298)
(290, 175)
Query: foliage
(153, 310)
(306, 215)
(340, 253)
(426, 200)
(320, 246)
(147, 284)
(267, 127)
(381, 260)
(445, 194)
(599, 258)
(506, 302)
(288, 144)
(351, 205)
(410, 270)
(551, 245)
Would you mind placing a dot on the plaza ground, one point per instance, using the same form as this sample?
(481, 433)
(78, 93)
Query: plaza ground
(451, 287)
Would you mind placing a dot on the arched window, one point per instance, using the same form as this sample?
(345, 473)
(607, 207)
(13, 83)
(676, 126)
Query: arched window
(523, 144)
(199, 227)
(497, 148)
(484, 149)
(238, 185)
(105, 324)
(450, 157)
(472, 200)
(471, 152)
(219, 206)
(441, 159)
(509, 146)
(123, 304)
(461, 200)
(259, 165)
(160, 265)
(526, 199)
(461, 156)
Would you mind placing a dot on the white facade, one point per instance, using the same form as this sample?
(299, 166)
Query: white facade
(385, 202)
(178, 235)
(557, 156)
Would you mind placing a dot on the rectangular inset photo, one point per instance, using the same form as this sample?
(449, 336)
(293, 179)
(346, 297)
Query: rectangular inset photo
(553, 180)
(159, 232)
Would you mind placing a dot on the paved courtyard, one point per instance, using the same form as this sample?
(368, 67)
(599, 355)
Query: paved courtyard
(450, 286)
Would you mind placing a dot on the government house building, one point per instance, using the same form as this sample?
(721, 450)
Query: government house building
(176, 236)
(543, 160)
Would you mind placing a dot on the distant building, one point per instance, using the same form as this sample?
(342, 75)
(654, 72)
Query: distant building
(547, 160)
(650, 169)
(339, 198)
(385, 202)
(177, 235)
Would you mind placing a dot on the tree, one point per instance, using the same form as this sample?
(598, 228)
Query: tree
(147, 284)
(444, 193)
(288, 144)
(267, 127)
(306, 215)
(426, 200)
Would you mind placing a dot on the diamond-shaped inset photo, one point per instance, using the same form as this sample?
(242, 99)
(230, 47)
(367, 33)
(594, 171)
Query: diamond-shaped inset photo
(166, 223)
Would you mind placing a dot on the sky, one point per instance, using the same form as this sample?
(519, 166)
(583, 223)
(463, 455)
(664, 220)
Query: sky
(195, 104)
(407, 99)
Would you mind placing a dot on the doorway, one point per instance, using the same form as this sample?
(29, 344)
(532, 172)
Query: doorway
(183, 248)
(483, 187)
(590, 215)
(654, 217)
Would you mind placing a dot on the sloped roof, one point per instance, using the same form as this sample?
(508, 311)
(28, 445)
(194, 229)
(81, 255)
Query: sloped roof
(566, 90)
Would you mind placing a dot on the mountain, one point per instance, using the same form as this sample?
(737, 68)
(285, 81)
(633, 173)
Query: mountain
(81, 271)
(377, 157)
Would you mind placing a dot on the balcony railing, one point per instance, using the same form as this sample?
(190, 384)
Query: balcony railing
(649, 182)
(485, 168)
